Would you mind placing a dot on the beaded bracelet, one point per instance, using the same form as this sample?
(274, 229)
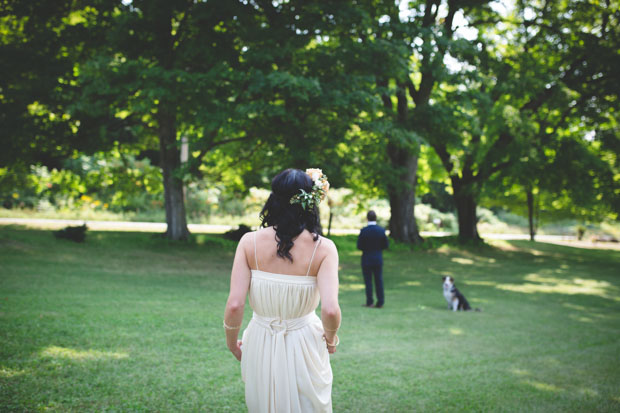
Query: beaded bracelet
(227, 327)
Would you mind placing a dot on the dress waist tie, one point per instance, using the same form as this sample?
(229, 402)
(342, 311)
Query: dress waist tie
(280, 370)
(277, 326)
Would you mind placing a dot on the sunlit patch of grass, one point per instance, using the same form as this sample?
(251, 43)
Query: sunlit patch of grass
(573, 306)
(456, 331)
(412, 283)
(8, 372)
(349, 278)
(476, 282)
(352, 287)
(543, 386)
(504, 245)
(552, 285)
(73, 354)
(462, 261)
(441, 272)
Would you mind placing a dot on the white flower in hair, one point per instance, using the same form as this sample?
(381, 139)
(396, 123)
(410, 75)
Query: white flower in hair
(318, 192)
(314, 173)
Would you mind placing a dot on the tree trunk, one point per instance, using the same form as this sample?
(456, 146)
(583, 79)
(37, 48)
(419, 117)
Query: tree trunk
(530, 212)
(329, 225)
(401, 194)
(162, 13)
(466, 212)
(173, 186)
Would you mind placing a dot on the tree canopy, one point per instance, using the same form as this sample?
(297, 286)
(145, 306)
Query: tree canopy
(509, 105)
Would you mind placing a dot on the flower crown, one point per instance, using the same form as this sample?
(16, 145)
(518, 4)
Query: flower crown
(317, 194)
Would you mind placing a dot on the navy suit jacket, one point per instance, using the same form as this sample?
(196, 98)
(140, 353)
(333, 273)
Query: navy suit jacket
(372, 241)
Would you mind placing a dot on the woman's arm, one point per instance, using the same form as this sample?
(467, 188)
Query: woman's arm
(239, 285)
(327, 279)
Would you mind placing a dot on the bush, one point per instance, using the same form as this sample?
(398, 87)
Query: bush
(430, 219)
(76, 234)
(236, 234)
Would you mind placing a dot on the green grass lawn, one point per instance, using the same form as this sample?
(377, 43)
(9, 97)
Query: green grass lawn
(130, 322)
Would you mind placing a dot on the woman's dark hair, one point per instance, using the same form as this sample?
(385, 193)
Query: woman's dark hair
(289, 220)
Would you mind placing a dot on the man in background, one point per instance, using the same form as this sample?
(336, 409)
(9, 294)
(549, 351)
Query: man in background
(372, 241)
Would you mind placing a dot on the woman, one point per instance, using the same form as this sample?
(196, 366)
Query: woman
(285, 267)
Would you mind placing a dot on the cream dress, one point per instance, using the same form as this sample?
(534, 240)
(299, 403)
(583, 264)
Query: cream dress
(284, 362)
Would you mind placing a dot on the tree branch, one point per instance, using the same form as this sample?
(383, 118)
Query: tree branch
(469, 159)
(498, 167)
(402, 104)
(225, 141)
(444, 156)
(412, 91)
(502, 142)
(535, 103)
(387, 102)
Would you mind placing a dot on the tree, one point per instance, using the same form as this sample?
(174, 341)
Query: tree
(39, 45)
(520, 85)
(408, 46)
(153, 72)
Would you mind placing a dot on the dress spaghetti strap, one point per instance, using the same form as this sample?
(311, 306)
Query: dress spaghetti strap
(313, 252)
(255, 256)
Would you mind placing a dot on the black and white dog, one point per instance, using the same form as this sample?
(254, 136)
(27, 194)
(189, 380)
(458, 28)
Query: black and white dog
(456, 300)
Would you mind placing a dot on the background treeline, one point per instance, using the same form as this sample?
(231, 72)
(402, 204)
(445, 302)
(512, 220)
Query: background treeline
(460, 102)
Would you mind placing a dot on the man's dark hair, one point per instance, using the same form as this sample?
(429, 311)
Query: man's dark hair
(372, 216)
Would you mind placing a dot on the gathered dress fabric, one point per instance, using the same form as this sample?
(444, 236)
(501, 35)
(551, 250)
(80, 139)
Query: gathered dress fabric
(285, 362)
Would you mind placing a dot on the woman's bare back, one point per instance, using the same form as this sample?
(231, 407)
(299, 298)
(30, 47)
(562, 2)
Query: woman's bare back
(302, 251)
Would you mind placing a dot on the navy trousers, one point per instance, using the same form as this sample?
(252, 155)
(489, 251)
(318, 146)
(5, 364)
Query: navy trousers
(377, 271)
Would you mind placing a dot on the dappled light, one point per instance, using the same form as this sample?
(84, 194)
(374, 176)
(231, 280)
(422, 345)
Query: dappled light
(352, 287)
(590, 311)
(589, 392)
(520, 372)
(483, 283)
(462, 261)
(442, 273)
(456, 331)
(57, 352)
(349, 277)
(553, 285)
(544, 386)
(581, 318)
(7, 372)
(350, 282)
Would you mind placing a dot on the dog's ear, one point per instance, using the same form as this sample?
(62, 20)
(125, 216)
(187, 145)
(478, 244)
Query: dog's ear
(443, 278)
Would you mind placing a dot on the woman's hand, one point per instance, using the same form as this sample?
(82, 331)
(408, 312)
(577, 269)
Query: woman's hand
(331, 349)
(237, 350)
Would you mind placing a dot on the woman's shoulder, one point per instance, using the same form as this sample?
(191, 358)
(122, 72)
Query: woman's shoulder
(327, 244)
(249, 237)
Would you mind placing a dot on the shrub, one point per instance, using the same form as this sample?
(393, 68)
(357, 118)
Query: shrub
(76, 234)
(236, 234)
